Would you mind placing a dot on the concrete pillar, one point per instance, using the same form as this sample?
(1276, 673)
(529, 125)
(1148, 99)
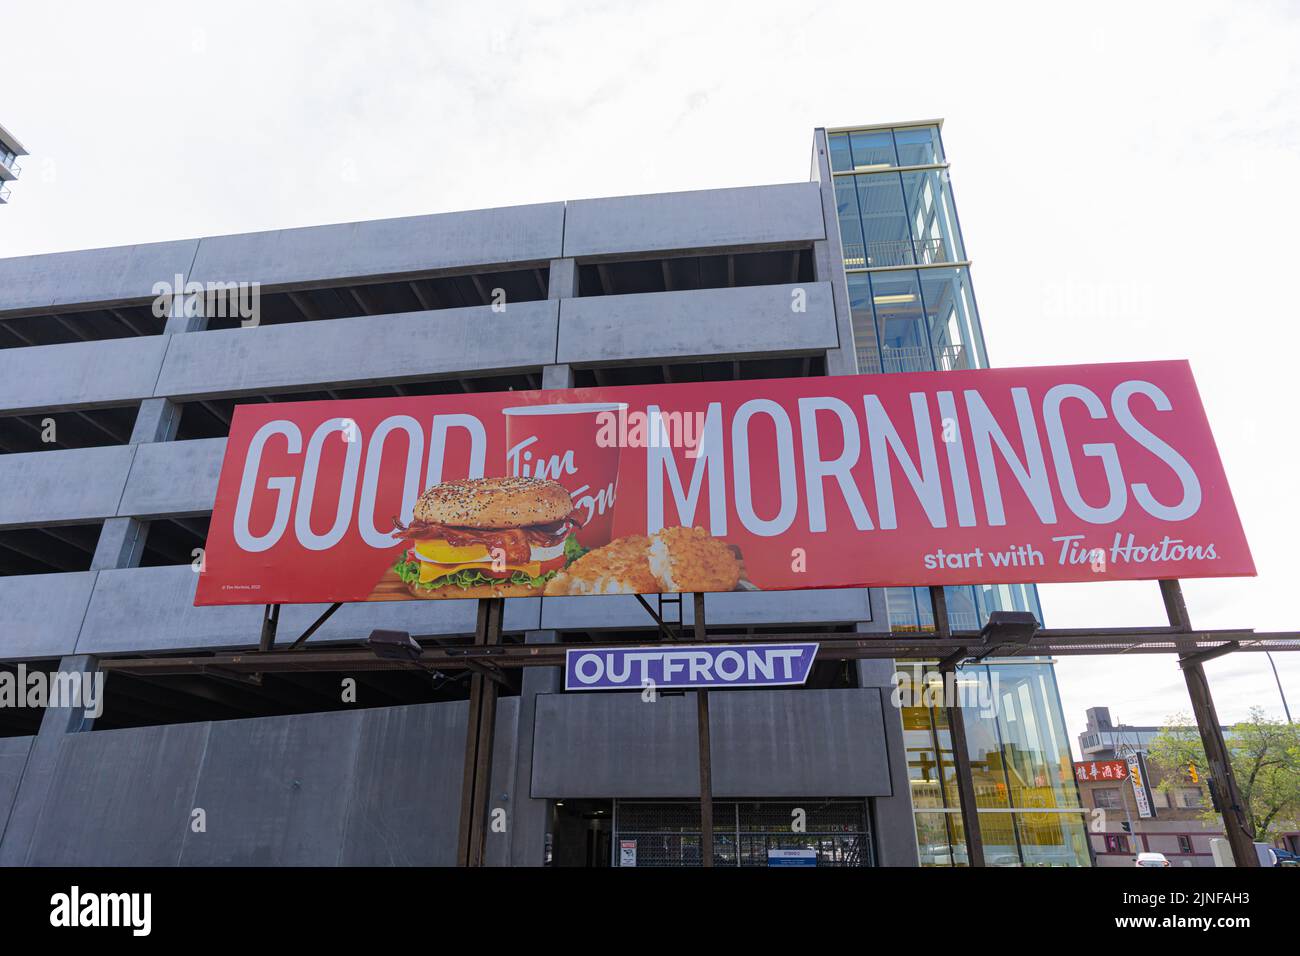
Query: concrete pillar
(38, 775)
(892, 824)
(557, 376)
(828, 264)
(121, 544)
(564, 279)
(157, 420)
(531, 818)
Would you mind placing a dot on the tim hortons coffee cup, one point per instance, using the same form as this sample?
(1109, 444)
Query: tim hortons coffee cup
(561, 443)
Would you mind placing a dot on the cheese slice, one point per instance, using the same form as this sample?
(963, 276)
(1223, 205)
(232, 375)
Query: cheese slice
(430, 571)
(439, 551)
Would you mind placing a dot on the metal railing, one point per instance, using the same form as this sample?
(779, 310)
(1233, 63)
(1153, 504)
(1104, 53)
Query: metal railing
(945, 358)
(895, 252)
(4, 193)
(10, 162)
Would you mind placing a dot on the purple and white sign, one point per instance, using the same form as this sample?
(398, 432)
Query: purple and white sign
(703, 667)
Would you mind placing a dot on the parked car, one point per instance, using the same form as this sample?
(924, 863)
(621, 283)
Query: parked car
(1151, 859)
(1286, 857)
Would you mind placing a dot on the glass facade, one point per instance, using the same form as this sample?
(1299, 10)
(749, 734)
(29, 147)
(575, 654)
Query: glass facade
(1029, 808)
(913, 310)
(909, 284)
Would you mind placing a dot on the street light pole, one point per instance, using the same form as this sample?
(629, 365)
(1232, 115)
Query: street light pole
(1281, 693)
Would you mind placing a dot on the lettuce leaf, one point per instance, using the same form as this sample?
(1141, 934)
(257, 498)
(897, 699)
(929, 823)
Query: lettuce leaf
(465, 578)
(573, 550)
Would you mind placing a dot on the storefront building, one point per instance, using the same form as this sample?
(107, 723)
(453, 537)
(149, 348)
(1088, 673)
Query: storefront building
(113, 422)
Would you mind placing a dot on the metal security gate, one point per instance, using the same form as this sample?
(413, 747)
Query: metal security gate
(667, 833)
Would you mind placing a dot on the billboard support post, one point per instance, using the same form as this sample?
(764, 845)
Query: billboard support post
(970, 820)
(1240, 837)
(480, 728)
(706, 750)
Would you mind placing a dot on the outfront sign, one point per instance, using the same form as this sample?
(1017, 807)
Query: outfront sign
(1071, 473)
(703, 667)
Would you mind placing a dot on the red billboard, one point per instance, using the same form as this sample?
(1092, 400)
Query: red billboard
(1068, 473)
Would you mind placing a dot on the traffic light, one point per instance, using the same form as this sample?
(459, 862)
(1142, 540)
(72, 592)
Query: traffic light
(1126, 827)
(1191, 772)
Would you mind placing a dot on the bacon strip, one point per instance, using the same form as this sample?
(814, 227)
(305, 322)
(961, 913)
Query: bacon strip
(516, 543)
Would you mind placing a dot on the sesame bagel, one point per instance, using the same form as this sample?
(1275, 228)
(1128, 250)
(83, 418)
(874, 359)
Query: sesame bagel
(512, 502)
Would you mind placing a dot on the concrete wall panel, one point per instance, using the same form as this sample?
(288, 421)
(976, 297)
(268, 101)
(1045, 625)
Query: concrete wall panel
(54, 377)
(63, 485)
(13, 760)
(360, 351)
(172, 478)
(735, 323)
(789, 212)
(825, 743)
(136, 609)
(69, 279)
(41, 614)
(122, 798)
(733, 608)
(405, 798)
(765, 744)
(153, 608)
(318, 254)
(275, 791)
(614, 745)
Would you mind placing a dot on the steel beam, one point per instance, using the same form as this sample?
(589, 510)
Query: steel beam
(705, 749)
(480, 730)
(1240, 837)
(970, 819)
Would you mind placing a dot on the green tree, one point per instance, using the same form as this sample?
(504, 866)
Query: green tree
(1265, 757)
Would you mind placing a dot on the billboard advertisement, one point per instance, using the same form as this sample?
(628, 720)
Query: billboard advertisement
(1067, 473)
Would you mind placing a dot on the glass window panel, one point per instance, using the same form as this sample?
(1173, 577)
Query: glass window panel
(922, 760)
(872, 149)
(846, 205)
(884, 220)
(1053, 839)
(1037, 752)
(900, 320)
(841, 157)
(902, 609)
(982, 744)
(997, 832)
(933, 220)
(963, 615)
(950, 321)
(864, 323)
(918, 146)
(934, 842)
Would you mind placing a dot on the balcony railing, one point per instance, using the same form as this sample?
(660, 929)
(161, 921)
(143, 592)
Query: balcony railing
(895, 252)
(945, 358)
(10, 162)
(4, 193)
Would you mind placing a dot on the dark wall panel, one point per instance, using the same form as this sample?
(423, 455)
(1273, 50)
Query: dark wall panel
(275, 791)
(13, 758)
(120, 797)
(800, 743)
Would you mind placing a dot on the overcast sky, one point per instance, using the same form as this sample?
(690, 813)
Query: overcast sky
(1126, 176)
